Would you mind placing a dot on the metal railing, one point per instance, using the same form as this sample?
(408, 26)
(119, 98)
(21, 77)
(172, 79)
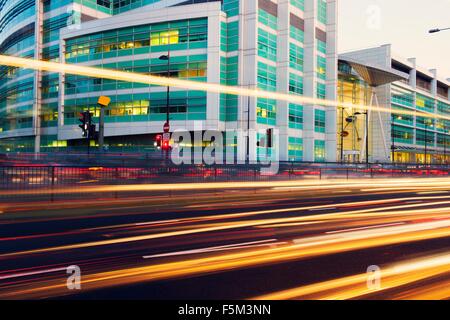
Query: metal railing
(20, 177)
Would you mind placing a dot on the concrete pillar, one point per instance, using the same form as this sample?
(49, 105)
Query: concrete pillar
(332, 81)
(248, 68)
(213, 99)
(413, 73)
(448, 91)
(283, 77)
(37, 83)
(309, 81)
(434, 82)
(413, 84)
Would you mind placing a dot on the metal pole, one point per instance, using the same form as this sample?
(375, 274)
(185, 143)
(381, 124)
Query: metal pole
(101, 130)
(367, 138)
(168, 87)
(248, 130)
(445, 150)
(393, 141)
(342, 135)
(426, 144)
(168, 94)
(88, 138)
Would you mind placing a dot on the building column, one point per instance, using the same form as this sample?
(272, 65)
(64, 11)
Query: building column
(248, 69)
(309, 82)
(37, 83)
(413, 84)
(448, 91)
(213, 70)
(283, 78)
(332, 81)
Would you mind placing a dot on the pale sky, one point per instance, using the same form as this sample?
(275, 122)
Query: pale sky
(402, 23)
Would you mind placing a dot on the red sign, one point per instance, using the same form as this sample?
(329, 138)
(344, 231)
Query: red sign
(166, 127)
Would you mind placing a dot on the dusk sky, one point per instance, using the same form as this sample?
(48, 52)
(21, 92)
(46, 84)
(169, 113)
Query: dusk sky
(404, 24)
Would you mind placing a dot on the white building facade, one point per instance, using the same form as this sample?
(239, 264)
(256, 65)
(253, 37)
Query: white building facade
(286, 46)
(409, 138)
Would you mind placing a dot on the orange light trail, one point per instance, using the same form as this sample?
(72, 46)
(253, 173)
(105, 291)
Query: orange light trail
(65, 68)
(355, 286)
(317, 246)
(418, 184)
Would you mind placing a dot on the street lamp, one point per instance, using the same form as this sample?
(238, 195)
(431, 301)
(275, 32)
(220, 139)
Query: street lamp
(167, 58)
(438, 30)
(342, 134)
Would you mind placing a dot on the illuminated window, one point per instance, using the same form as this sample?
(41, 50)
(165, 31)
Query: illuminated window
(164, 38)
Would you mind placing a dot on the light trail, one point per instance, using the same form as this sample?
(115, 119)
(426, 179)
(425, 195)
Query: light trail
(65, 68)
(433, 291)
(228, 247)
(364, 213)
(202, 219)
(356, 286)
(365, 185)
(316, 246)
(301, 234)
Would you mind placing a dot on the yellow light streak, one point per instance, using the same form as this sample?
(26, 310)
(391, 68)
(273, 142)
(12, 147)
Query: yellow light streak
(356, 214)
(224, 262)
(356, 286)
(377, 184)
(65, 68)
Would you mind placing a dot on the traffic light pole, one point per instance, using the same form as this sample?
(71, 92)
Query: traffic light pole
(168, 96)
(86, 127)
(88, 136)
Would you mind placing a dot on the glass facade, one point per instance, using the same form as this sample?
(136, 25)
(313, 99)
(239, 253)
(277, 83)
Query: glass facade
(138, 47)
(413, 139)
(351, 123)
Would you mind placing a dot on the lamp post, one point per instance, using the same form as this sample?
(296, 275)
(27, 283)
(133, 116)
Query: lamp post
(342, 134)
(445, 150)
(167, 58)
(426, 145)
(438, 30)
(393, 147)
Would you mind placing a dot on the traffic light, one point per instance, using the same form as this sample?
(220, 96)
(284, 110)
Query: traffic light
(85, 119)
(269, 138)
(166, 145)
(158, 141)
(92, 132)
(87, 127)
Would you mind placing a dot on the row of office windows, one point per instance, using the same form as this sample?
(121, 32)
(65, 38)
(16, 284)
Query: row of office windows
(229, 36)
(418, 136)
(140, 39)
(183, 105)
(187, 70)
(296, 149)
(402, 97)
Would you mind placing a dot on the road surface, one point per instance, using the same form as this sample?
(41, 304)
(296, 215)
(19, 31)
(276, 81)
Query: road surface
(377, 239)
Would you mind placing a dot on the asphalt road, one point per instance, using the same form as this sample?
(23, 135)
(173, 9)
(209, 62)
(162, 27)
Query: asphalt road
(300, 240)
